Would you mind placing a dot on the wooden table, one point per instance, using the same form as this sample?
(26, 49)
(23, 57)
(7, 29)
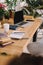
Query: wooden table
(17, 47)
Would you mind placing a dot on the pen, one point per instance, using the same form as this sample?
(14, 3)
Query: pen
(5, 44)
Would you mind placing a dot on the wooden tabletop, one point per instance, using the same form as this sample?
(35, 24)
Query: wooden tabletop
(17, 47)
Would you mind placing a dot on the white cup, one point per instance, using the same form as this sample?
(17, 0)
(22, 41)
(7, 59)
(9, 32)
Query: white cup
(6, 27)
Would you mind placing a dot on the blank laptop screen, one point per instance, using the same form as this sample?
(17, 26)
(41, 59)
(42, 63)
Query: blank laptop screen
(18, 17)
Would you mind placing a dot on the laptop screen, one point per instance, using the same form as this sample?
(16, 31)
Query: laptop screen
(18, 17)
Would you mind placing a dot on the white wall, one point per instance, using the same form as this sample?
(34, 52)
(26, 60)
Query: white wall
(2, 1)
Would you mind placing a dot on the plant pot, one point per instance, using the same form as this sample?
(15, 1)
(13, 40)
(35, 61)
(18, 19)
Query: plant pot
(6, 17)
(1, 17)
(10, 12)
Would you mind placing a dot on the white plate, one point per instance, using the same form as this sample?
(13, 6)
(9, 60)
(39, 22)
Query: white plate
(17, 35)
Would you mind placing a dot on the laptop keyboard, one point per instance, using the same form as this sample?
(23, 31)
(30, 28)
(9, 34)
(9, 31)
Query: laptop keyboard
(22, 23)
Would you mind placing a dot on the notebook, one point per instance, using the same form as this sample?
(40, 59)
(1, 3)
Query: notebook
(17, 35)
(3, 35)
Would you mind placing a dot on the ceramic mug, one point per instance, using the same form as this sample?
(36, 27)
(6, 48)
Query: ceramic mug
(6, 27)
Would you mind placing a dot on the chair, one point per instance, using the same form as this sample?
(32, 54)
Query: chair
(35, 48)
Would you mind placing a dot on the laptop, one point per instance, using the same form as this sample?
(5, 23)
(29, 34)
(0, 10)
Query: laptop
(18, 18)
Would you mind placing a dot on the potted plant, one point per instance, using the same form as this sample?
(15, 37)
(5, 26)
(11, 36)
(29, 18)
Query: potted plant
(11, 5)
(6, 15)
(1, 11)
(34, 4)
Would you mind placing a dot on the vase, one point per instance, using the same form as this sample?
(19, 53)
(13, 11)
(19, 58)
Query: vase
(6, 17)
(1, 20)
(1, 17)
(10, 12)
